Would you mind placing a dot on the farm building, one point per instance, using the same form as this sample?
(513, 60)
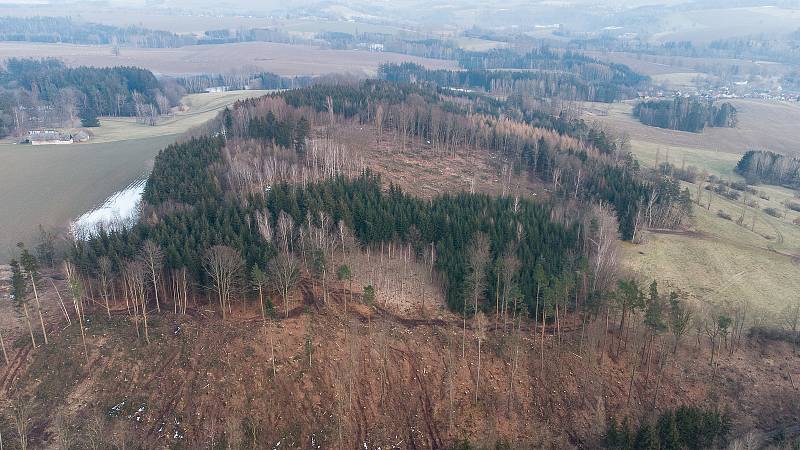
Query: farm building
(49, 137)
(81, 136)
(42, 137)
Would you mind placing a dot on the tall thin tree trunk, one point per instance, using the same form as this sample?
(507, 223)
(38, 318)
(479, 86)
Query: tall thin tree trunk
(272, 352)
(28, 322)
(478, 378)
(3, 346)
(39, 309)
(542, 346)
(79, 313)
(61, 302)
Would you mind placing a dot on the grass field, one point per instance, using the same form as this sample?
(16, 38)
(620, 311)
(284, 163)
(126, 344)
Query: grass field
(53, 184)
(716, 260)
(762, 124)
(201, 108)
(282, 59)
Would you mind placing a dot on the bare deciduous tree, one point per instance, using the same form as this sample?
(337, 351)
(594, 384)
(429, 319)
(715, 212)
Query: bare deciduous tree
(224, 266)
(104, 272)
(284, 275)
(478, 258)
(480, 335)
(76, 290)
(153, 259)
(21, 408)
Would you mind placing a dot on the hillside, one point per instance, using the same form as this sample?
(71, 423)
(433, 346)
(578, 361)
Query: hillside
(387, 265)
(374, 376)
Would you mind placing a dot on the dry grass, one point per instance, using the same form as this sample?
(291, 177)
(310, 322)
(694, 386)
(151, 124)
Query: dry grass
(762, 124)
(201, 108)
(283, 59)
(718, 260)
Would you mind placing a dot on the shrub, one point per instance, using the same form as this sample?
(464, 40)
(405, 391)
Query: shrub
(722, 214)
(774, 334)
(774, 212)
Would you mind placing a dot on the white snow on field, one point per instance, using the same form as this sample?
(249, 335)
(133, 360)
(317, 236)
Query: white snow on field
(120, 209)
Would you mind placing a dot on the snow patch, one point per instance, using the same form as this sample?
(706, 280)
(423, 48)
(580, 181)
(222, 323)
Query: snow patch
(118, 210)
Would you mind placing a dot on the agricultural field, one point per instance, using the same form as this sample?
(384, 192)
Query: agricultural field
(716, 260)
(762, 125)
(282, 59)
(717, 23)
(64, 181)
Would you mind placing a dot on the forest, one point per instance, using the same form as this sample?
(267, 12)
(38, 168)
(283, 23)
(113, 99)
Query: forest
(685, 114)
(778, 48)
(762, 166)
(552, 59)
(46, 93)
(269, 217)
(200, 212)
(582, 86)
(578, 161)
(69, 31)
(243, 80)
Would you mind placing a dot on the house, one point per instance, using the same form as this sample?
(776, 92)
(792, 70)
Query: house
(81, 136)
(47, 137)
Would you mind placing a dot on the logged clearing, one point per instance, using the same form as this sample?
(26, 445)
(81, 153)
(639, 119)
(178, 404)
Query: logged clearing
(371, 377)
(53, 184)
(282, 59)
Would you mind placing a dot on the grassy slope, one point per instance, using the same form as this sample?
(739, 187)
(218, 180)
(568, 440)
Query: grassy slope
(718, 260)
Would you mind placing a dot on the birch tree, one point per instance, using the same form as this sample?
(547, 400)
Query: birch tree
(153, 259)
(224, 265)
(31, 267)
(104, 272)
(76, 290)
(478, 259)
(284, 274)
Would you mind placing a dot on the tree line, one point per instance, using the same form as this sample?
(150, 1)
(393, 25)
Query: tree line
(66, 30)
(243, 80)
(47, 93)
(567, 85)
(69, 31)
(545, 58)
(688, 427)
(685, 114)
(763, 166)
